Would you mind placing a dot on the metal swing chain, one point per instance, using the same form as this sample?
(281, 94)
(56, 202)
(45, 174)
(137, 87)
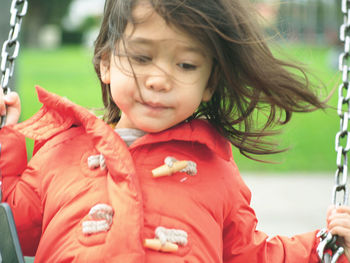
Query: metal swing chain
(9, 53)
(340, 192)
(10, 48)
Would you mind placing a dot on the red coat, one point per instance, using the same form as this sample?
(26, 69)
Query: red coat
(56, 190)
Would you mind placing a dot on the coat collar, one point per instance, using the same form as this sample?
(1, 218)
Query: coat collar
(58, 114)
(199, 131)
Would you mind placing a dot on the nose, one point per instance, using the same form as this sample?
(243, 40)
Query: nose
(158, 80)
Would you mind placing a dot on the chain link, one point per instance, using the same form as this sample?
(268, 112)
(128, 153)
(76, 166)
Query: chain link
(9, 53)
(342, 141)
(10, 48)
(342, 138)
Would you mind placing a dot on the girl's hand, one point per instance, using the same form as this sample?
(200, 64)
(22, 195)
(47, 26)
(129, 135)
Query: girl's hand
(338, 223)
(10, 106)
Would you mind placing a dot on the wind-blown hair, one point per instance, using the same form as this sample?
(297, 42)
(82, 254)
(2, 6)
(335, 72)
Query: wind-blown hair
(253, 90)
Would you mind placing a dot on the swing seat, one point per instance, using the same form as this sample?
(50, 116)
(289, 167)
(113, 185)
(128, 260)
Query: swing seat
(10, 249)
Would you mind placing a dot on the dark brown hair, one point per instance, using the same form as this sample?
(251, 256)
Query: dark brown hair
(247, 79)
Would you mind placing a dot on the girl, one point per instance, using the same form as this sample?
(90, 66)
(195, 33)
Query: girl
(156, 181)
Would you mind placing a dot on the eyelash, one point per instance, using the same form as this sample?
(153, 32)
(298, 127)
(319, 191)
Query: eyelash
(187, 66)
(142, 60)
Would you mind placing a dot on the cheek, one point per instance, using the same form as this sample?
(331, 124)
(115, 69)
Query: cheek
(114, 94)
(120, 99)
(119, 93)
(122, 88)
(120, 82)
(189, 102)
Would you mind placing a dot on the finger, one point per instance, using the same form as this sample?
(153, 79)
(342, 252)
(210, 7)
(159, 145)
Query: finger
(342, 232)
(12, 99)
(334, 212)
(14, 108)
(330, 210)
(343, 209)
(2, 103)
(12, 116)
(10, 107)
(342, 221)
(337, 216)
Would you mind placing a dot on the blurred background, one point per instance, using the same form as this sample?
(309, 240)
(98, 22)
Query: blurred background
(56, 53)
(57, 46)
(57, 40)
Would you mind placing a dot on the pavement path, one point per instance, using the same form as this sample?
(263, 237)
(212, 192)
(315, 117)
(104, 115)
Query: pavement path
(290, 204)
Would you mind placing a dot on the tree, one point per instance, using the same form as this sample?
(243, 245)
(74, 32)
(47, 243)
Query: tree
(40, 13)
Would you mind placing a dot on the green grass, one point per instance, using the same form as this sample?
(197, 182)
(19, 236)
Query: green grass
(69, 72)
(310, 136)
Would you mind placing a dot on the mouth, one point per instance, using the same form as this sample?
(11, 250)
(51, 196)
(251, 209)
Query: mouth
(155, 106)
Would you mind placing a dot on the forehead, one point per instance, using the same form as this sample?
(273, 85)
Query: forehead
(142, 10)
(148, 24)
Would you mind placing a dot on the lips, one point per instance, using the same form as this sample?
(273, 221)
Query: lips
(155, 105)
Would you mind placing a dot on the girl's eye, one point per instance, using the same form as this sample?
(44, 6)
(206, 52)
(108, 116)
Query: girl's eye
(141, 59)
(187, 66)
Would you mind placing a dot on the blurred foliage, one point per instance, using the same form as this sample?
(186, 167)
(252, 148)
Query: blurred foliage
(42, 12)
(51, 11)
(90, 22)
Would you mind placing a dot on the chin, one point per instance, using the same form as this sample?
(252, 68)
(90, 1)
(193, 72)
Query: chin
(148, 129)
(152, 130)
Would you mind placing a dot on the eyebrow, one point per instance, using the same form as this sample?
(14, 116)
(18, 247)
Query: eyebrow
(149, 42)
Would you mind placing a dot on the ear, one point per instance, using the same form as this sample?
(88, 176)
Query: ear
(105, 71)
(210, 89)
(208, 93)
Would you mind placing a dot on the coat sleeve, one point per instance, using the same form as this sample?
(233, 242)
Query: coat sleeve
(22, 195)
(243, 243)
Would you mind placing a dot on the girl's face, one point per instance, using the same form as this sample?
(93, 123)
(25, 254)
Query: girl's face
(159, 76)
